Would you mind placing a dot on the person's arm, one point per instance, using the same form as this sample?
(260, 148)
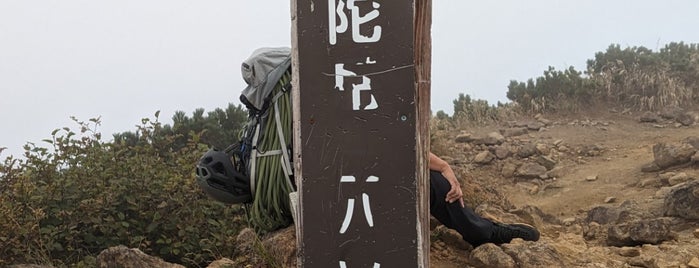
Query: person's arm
(454, 194)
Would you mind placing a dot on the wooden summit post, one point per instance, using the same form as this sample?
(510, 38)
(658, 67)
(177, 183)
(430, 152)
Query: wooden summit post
(361, 77)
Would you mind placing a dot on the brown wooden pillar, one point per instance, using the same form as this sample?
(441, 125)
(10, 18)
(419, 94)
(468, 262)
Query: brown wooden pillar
(361, 77)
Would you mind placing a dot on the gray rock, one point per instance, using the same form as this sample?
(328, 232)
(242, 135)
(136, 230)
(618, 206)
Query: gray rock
(527, 150)
(530, 170)
(685, 119)
(650, 167)
(591, 150)
(694, 141)
(695, 158)
(452, 238)
(671, 112)
(123, 257)
(679, 178)
(649, 117)
(683, 201)
(483, 158)
(546, 161)
(508, 170)
(543, 148)
(625, 212)
(512, 132)
(503, 151)
(491, 256)
(629, 251)
(646, 231)
(545, 121)
(493, 138)
(667, 155)
(536, 126)
(533, 254)
(464, 138)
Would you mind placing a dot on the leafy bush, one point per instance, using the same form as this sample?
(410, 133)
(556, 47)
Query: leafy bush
(554, 91)
(65, 203)
(632, 77)
(468, 111)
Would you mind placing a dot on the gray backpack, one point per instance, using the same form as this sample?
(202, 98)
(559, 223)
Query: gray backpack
(264, 149)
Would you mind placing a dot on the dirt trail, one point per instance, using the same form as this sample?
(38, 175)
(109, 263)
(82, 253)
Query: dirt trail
(626, 146)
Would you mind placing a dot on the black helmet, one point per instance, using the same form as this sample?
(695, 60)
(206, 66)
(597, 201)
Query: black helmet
(217, 176)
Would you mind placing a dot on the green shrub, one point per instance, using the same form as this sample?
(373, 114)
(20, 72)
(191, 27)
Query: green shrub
(63, 205)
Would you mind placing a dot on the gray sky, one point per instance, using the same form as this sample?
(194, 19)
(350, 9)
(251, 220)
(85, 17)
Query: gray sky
(123, 60)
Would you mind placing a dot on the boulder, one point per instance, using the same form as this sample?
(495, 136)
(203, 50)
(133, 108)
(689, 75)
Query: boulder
(530, 170)
(667, 155)
(683, 201)
(491, 256)
(281, 245)
(625, 212)
(685, 119)
(679, 178)
(671, 112)
(639, 232)
(493, 138)
(503, 151)
(649, 117)
(527, 150)
(533, 254)
(123, 257)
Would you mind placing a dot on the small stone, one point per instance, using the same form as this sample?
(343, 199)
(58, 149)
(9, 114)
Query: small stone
(610, 199)
(534, 190)
(542, 148)
(484, 157)
(696, 233)
(557, 142)
(694, 263)
(568, 221)
(629, 251)
(591, 178)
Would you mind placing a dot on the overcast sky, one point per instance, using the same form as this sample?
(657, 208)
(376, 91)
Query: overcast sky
(123, 60)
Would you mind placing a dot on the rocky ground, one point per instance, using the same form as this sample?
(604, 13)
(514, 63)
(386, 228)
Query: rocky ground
(611, 189)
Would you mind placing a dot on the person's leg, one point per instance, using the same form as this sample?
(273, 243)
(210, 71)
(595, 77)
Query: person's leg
(474, 229)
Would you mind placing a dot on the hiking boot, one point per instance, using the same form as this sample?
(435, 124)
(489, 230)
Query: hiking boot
(504, 233)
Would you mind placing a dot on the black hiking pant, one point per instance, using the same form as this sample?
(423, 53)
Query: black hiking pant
(474, 229)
